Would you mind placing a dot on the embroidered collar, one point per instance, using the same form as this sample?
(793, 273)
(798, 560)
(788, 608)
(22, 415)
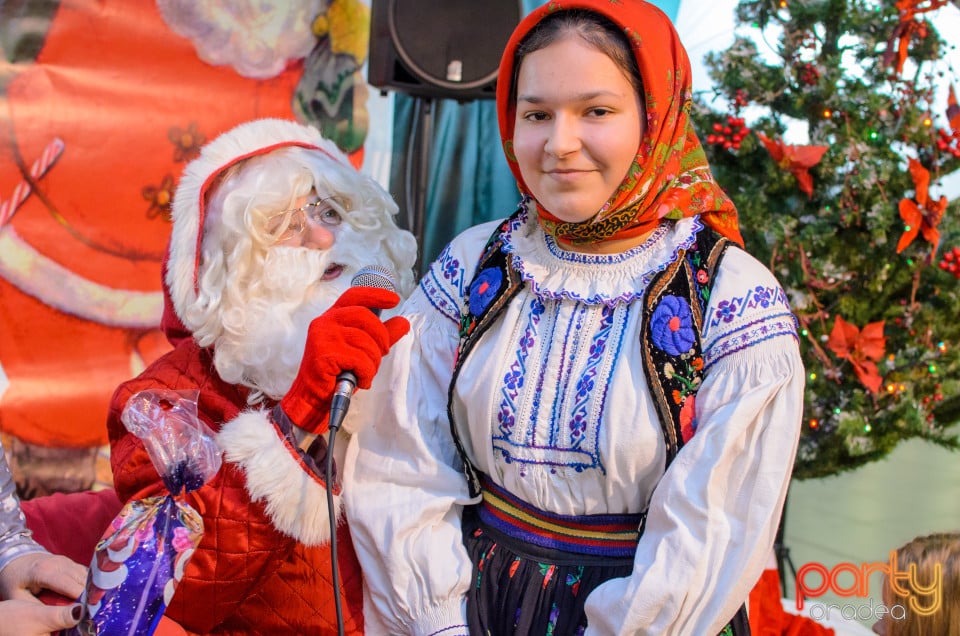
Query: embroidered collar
(610, 279)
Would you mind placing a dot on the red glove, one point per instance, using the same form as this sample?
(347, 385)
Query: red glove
(346, 337)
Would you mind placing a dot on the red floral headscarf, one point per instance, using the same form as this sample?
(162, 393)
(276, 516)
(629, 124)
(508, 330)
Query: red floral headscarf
(670, 177)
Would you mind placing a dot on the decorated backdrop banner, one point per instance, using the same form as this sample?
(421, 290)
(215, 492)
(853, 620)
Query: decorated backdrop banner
(102, 102)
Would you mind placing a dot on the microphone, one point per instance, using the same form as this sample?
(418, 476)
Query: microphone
(369, 276)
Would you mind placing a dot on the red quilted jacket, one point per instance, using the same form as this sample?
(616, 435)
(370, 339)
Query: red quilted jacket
(247, 577)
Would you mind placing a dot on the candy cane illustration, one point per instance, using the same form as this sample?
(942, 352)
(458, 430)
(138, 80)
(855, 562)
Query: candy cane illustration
(23, 189)
(55, 285)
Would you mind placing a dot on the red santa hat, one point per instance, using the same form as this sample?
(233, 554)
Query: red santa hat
(247, 140)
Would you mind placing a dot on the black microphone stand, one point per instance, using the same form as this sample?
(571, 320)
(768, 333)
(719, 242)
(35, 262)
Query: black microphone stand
(782, 552)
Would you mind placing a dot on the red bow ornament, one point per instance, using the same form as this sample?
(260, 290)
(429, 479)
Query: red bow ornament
(921, 214)
(953, 111)
(862, 348)
(907, 28)
(797, 159)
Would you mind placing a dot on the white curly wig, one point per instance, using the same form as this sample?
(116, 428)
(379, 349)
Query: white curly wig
(222, 263)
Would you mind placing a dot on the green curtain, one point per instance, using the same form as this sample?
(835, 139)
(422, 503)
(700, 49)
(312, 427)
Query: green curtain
(467, 178)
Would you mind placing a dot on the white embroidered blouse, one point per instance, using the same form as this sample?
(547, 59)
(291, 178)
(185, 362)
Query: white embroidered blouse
(712, 517)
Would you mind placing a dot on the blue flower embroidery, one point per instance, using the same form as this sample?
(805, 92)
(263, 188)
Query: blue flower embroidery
(727, 310)
(672, 326)
(763, 296)
(483, 290)
(514, 379)
(451, 267)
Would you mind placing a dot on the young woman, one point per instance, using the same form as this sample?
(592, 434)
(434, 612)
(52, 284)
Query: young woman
(593, 424)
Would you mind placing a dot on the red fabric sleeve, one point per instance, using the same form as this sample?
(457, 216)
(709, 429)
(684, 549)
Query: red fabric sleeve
(71, 524)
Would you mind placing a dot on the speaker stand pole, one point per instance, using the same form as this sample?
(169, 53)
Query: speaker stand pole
(782, 552)
(424, 123)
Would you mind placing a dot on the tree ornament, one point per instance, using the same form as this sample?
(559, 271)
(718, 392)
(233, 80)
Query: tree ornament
(796, 159)
(809, 75)
(729, 136)
(861, 348)
(951, 263)
(921, 214)
(953, 111)
(908, 28)
(948, 142)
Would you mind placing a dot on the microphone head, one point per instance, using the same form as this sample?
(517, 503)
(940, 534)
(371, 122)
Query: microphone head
(374, 276)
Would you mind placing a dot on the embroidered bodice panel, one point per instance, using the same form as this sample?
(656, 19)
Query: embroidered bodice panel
(552, 400)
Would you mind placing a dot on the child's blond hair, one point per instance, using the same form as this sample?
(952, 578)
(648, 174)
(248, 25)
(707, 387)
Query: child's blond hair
(926, 553)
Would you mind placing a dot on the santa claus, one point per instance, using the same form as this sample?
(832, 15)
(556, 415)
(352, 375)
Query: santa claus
(270, 224)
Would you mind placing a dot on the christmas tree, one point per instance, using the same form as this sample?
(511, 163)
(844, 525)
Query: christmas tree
(831, 128)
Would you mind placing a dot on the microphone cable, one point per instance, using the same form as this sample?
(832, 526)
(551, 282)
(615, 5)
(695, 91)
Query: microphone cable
(331, 512)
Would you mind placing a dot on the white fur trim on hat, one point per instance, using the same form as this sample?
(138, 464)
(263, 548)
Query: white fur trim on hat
(246, 140)
(295, 499)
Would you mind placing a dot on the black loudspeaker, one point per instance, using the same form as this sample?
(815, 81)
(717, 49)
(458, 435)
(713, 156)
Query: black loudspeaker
(440, 48)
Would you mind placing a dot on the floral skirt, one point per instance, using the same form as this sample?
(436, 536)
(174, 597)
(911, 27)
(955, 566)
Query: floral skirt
(533, 571)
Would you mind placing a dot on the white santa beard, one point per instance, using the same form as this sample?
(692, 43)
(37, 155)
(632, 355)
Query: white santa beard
(265, 354)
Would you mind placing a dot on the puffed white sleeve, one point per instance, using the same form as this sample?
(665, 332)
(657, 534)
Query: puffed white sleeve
(713, 516)
(404, 486)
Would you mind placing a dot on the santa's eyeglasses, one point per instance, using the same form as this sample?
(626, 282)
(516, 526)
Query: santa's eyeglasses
(289, 224)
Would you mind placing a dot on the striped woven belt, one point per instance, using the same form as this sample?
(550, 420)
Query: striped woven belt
(600, 535)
